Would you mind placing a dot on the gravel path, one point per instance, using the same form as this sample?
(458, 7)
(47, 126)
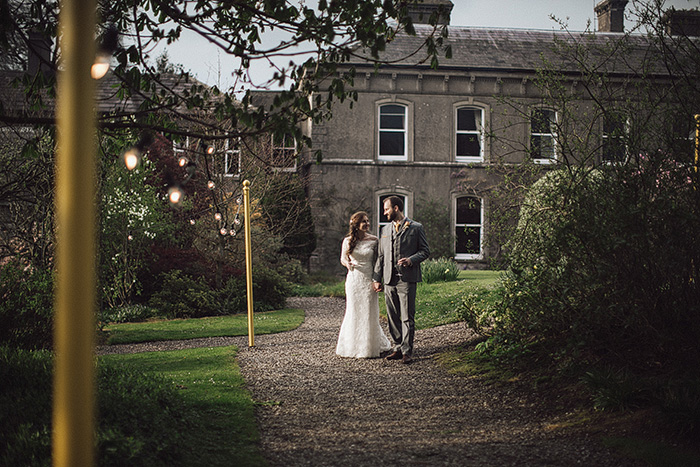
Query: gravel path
(318, 409)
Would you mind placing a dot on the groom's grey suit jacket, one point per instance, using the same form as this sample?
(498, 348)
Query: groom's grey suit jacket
(409, 242)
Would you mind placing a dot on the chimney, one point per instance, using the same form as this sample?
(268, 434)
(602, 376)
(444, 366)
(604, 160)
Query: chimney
(611, 15)
(682, 22)
(39, 54)
(420, 11)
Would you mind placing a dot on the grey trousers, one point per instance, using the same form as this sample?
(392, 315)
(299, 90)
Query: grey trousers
(401, 311)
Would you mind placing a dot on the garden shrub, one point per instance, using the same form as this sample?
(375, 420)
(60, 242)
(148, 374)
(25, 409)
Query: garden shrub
(435, 215)
(231, 298)
(26, 307)
(25, 407)
(439, 270)
(142, 420)
(292, 271)
(615, 389)
(181, 296)
(680, 403)
(270, 290)
(184, 297)
(479, 308)
(163, 260)
(606, 261)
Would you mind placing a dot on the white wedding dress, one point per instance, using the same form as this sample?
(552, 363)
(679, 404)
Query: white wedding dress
(360, 335)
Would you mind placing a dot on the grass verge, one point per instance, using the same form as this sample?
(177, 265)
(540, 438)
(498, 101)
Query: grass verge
(218, 326)
(182, 408)
(641, 434)
(220, 422)
(437, 303)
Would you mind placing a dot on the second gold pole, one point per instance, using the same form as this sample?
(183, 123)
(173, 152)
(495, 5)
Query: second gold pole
(248, 262)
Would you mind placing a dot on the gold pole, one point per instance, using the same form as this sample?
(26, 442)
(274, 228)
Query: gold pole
(248, 262)
(74, 300)
(697, 140)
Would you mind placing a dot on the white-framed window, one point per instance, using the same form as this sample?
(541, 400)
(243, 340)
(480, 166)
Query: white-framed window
(543, 136)
(226, 158)
(393, 132)
(284, 152)
(615, 127)
(684, 131)
(182, 148)
(382, 220)
(468, 227)
(469, 134)
(232, 159)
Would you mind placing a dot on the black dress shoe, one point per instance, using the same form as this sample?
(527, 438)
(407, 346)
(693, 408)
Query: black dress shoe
(395, 356)
(406, 359)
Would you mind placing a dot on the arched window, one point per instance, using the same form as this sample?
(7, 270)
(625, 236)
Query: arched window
(468, 227)
(469, 134)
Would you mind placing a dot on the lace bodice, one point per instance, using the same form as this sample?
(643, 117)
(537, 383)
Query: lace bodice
(361, 258)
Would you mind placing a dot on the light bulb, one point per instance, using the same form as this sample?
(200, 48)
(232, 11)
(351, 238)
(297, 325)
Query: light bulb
(223, 231)
(217, 216)
(211, 184)
(132, 157)
(210, 149)
(100, 67)
(175, 194)
(182, 162)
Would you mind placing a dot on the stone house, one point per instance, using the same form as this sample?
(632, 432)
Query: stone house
(434, 136)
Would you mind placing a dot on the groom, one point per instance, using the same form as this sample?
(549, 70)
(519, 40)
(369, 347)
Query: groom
(402, 247)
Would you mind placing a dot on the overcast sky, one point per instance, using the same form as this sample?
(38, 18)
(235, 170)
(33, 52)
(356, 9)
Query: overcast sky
(211, 67)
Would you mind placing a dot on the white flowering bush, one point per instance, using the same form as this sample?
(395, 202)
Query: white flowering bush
(131, 216)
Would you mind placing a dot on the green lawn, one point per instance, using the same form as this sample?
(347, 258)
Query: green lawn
(220, 424)
(218, 326)
(438, 303)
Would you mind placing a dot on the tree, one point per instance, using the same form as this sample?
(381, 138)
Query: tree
(603, 262)
(162, 99)
(247, 32)
(26, 191)
(132, 216)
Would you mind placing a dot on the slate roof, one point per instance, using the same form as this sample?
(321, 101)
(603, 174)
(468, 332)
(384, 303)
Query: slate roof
(14, 101)
(513, 50)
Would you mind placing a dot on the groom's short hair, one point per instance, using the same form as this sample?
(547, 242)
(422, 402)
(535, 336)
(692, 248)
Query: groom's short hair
(396, 201)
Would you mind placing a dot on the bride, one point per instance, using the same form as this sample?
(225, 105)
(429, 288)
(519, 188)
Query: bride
(360, 335)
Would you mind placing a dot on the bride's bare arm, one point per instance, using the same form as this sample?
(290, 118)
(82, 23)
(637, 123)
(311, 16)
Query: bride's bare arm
(345, 255)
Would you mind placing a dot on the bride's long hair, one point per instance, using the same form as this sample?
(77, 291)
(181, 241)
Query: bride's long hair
(354, 230)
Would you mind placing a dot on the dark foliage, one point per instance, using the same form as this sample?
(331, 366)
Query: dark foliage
(163, 259)
(286, 206)
(142, 420)
(183, 296)
(26, 307)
